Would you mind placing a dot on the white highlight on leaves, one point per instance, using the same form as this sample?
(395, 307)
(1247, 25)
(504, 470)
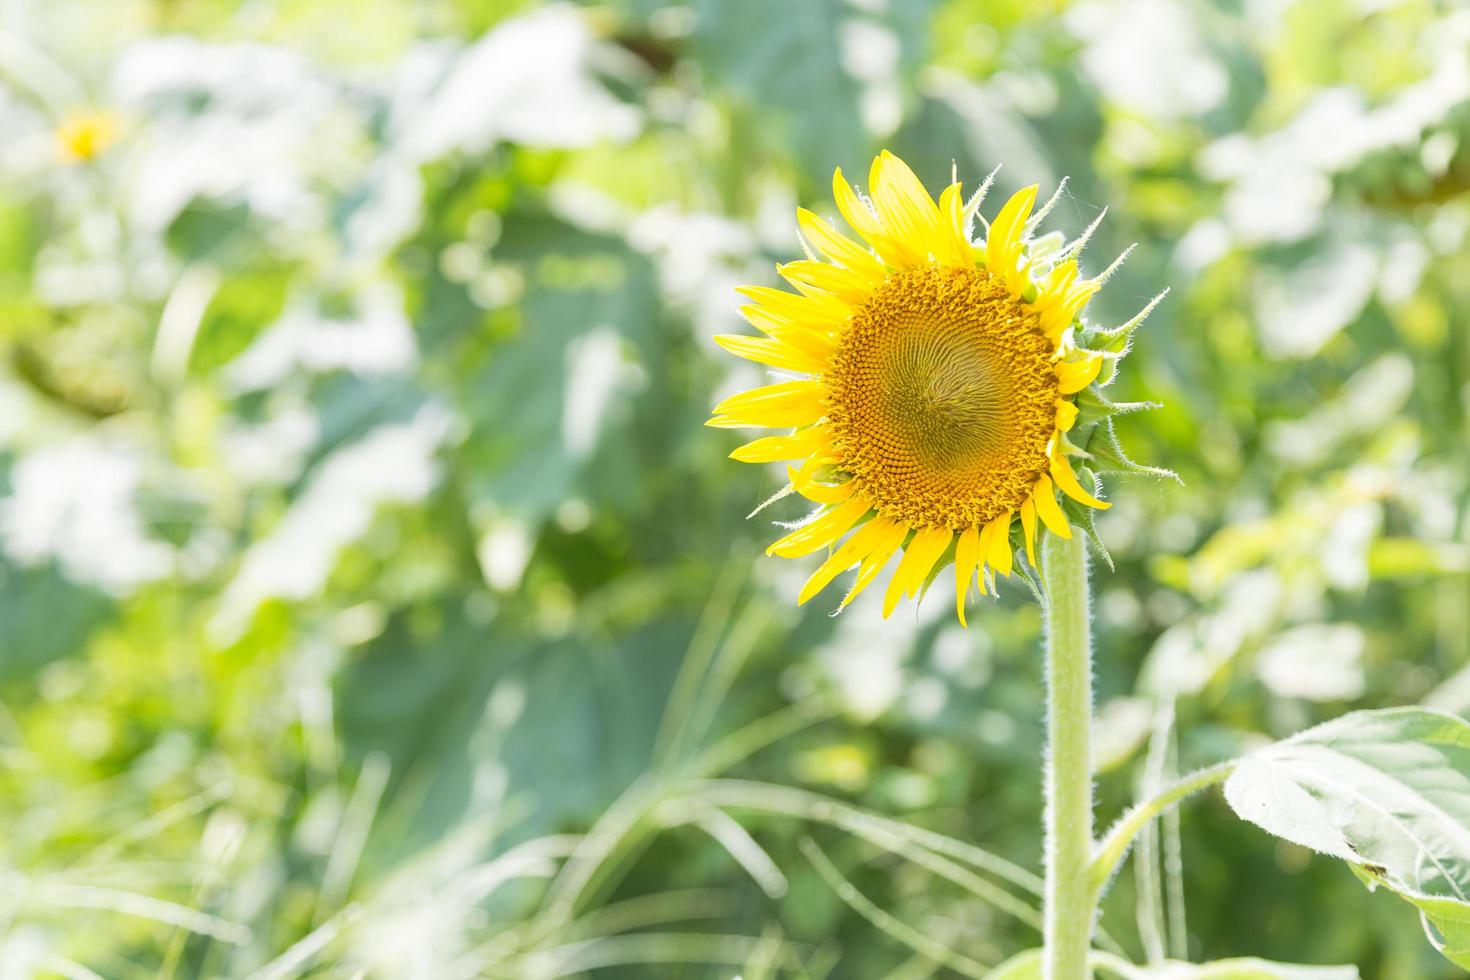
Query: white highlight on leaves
(870, 54)
(700, 258)
(1368, 400)
(504, 549)
(1280, 181)
(1317, 662)
(376, 340)
(74, 503)
(1299, 310)
(866, 654)
(273, 451)
(527, 82)
(1148, 55)
(243, 121)
(391, 464)
(1187, 655)
(595, 371)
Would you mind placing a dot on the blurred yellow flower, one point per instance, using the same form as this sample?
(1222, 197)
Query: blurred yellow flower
(935, 384)
(85, 134)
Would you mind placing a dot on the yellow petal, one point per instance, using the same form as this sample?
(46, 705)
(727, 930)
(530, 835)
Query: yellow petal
(952, 217)
(1061, 471)
(1046, 508)
(1066, 415)
(907, 211)
(827, 312)
(1058, 283)
(811, 341)
(807, 340)
(776, 353)
(986, 530)
(1060, 314)
(772, 448)
(855, 211)
(1073, 376)
(1028, 529)
(766, 320)
(854, 549)
(840, 282)
(807, 474)
(790, 403)
(839, 248)
(876, 559)
(966, 558)
(817, 534)
(827, 493)
(920, 555)
(999, 557)
(1052, 299)
(1003, 245)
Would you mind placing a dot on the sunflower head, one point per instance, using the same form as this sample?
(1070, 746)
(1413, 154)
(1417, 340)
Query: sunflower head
(940, 390)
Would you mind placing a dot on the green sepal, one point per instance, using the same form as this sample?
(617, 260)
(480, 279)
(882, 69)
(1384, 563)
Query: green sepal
(1043, 248)
(1094, 406)
(1105, 455)
(1021, 566)
(1031, 575)
(1116, 340)
(781, 494)
(1082, 517)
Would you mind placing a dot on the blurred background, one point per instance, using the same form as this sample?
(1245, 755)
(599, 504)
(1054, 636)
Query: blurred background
(373, 603)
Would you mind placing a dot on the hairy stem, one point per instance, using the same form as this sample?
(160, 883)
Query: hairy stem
(1113, 847)
(1069, 894)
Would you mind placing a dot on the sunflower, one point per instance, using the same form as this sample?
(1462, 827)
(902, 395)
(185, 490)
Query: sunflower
(934, 383)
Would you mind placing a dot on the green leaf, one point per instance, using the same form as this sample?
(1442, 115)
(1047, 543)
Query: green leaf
(212, 230)
(472, 699)
(1447, 923)
(44, 616)
(545, 399)
(1386, 791)
(794, 77)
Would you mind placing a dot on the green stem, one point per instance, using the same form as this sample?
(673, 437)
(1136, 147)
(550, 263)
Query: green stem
(1069, 898)
(1110, 852)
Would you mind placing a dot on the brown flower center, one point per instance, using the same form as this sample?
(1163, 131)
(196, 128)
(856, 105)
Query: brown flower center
(942, 398)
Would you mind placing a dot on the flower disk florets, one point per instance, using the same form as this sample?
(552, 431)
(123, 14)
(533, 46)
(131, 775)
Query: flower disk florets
(942, 398)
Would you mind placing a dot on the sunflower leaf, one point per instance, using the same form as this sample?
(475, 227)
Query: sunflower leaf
(1386, 791)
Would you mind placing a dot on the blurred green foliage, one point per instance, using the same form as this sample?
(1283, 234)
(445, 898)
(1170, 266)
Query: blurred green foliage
(373, 602)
